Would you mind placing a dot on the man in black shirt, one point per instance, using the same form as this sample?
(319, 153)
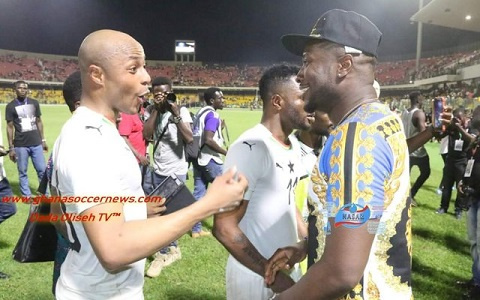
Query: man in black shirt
(455, 162)
(470, 187)
(25, 135)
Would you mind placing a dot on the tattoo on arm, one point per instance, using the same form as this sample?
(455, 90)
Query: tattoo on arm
(257, 261)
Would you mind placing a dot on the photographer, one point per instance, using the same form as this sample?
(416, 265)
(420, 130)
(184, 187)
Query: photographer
(456, 161)
(470, 187)
(169, 126)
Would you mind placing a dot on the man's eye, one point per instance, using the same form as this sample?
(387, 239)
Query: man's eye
(133, 69)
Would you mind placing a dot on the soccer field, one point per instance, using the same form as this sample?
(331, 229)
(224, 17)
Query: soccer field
(440, 248)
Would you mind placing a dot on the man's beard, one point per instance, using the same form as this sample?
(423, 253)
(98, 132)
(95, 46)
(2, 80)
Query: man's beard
(322, 99)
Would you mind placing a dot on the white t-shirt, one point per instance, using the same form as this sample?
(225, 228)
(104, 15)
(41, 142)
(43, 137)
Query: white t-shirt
(92, 159)
(444, 145)
(273, 170)
(2, 169)
(170, 155)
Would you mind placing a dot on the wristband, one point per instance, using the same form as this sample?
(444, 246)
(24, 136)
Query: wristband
(176, 120)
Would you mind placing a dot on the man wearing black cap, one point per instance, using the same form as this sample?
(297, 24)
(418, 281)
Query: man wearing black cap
(359, 243)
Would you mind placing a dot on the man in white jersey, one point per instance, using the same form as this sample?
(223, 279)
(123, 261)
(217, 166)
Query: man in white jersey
(91, 160)
(413, 120)
(266, 218)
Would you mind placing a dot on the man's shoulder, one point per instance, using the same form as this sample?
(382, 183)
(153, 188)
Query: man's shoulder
(11, 104)
(257, 135)
(371, 113)
(86, 120)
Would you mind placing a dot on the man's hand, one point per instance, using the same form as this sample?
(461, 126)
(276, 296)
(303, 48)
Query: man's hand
(282, 283)
(44, 146)
(144, 161)
(173, 108)
(445, 118)
(155, 209)
(12, 155)
(284, 259)
(226, 191)
(3, 152)
(460, 186)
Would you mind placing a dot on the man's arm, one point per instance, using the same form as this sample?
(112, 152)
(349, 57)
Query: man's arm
(149, 126)
(10, 130)
(420, 139)
(183, 126)
(40, 130)
(229, 234)
(210, 142)
(185, 131)
(466, 136)
(118, 243)
(302, 227)
(424, 136)
(212, 125)
(340, 268)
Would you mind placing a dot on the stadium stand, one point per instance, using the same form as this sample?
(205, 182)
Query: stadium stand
(45, 69)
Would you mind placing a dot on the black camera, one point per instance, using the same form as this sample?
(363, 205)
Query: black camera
(468, 191)
(146, 103)
(171, 98)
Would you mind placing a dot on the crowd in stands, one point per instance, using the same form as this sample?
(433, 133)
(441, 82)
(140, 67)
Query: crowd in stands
(401, 72)
(233, 75)
(460, 94)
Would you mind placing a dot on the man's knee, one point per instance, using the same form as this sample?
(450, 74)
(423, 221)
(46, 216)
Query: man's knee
(7, 210)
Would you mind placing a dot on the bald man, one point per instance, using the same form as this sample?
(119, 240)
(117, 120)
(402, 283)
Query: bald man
(94, 166)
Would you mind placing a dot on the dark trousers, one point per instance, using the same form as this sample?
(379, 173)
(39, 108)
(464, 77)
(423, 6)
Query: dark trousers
(423, 164)
(7, 207)
(452, 174)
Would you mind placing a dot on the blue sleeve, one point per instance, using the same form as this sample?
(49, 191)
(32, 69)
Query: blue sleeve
(211, 122)
(358, 161)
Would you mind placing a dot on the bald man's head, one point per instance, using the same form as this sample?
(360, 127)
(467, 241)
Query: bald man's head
(100, 47)
(112, 65)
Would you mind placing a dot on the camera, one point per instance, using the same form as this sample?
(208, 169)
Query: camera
(468, 191)
(171, 98)
(146, 103)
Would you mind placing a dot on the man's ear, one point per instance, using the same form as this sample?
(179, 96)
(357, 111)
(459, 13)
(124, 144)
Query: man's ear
(277, 101)
(96, 74)
(345, 65)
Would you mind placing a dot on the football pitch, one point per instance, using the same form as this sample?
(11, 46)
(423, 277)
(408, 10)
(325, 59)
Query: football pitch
(440, 248)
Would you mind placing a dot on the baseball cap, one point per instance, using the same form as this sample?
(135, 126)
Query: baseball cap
(347, 28)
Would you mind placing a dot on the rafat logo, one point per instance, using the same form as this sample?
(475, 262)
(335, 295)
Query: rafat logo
(352, 215)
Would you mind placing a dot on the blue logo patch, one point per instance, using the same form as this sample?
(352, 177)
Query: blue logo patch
(352, 215)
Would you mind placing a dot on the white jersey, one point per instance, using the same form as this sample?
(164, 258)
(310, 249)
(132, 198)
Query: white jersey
(273, 171)
(2, 169)
(411, 130)
(90, 158)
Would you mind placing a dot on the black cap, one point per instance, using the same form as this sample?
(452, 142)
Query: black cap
(346, 28)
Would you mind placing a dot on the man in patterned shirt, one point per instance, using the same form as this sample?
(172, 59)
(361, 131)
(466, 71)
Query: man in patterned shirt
(359, 244)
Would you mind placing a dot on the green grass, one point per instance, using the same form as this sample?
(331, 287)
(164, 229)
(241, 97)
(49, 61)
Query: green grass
(440, 248)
